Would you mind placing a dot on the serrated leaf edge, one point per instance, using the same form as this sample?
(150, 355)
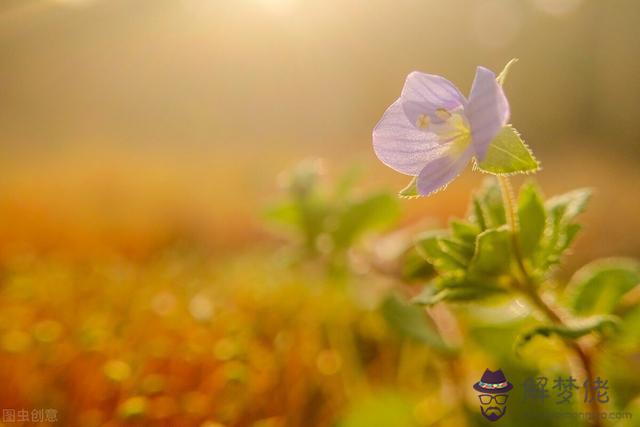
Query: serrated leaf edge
(476, 166)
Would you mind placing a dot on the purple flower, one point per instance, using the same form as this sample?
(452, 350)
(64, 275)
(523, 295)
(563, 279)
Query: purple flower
(432, 131)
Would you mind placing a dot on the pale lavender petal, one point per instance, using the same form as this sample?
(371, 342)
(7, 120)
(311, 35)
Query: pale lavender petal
(441, 171)
(402, 146)
(487, 111)
(425, 93)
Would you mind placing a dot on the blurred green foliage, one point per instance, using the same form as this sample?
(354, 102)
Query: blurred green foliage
(327, 221)
(599, 287)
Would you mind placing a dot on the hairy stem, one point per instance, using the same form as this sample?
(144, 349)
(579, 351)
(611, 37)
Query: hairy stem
(512, 221)
(528, 287)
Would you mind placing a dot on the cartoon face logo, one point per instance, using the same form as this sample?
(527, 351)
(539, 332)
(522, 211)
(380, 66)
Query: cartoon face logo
(492, 389)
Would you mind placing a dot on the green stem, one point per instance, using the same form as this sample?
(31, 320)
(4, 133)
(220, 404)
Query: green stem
(512, 221)
(528, 287)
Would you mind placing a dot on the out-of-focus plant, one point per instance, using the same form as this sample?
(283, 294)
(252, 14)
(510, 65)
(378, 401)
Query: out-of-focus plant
(327, 220)
(506, 247)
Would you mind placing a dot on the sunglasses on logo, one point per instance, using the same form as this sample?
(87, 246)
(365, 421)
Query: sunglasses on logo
(500, 399)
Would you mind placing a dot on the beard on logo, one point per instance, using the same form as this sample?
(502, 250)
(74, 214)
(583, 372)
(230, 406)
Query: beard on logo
(493, 413)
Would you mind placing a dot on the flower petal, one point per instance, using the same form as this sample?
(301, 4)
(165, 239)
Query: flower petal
(487, 111)
(402, 146)
(425, 93)
(439, 172)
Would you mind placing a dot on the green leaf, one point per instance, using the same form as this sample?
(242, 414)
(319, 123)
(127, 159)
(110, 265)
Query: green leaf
(462, 293)
(444, 260)
(415, 268)
(370, 213)
(488, 209)
(410, 191)
(410, 321)
(464, 231)
(599, 286)
(560, 230)
(478, 216)
(460, 249)
(565, 207)
(493, 252)
(508, 154)
(470, 280)
(430, 295)
(571, 232)
(283, 213)
(505, 71)
(600, 324)
(531, 217)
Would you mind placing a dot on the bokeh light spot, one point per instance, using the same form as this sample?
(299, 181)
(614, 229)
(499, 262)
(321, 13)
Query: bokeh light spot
(133, 407)
(328, 362)
(201, 307)
(47, 331)
(117, 370)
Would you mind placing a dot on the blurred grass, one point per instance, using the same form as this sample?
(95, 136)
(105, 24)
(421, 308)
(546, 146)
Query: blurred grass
(180, 340)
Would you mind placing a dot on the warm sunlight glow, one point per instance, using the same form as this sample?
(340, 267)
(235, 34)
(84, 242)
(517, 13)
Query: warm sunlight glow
(558, 7)
(283, 213)
(73, 3)
(278, 7)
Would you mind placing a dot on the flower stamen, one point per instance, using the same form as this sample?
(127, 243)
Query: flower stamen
(443, 114)
(423, 121)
